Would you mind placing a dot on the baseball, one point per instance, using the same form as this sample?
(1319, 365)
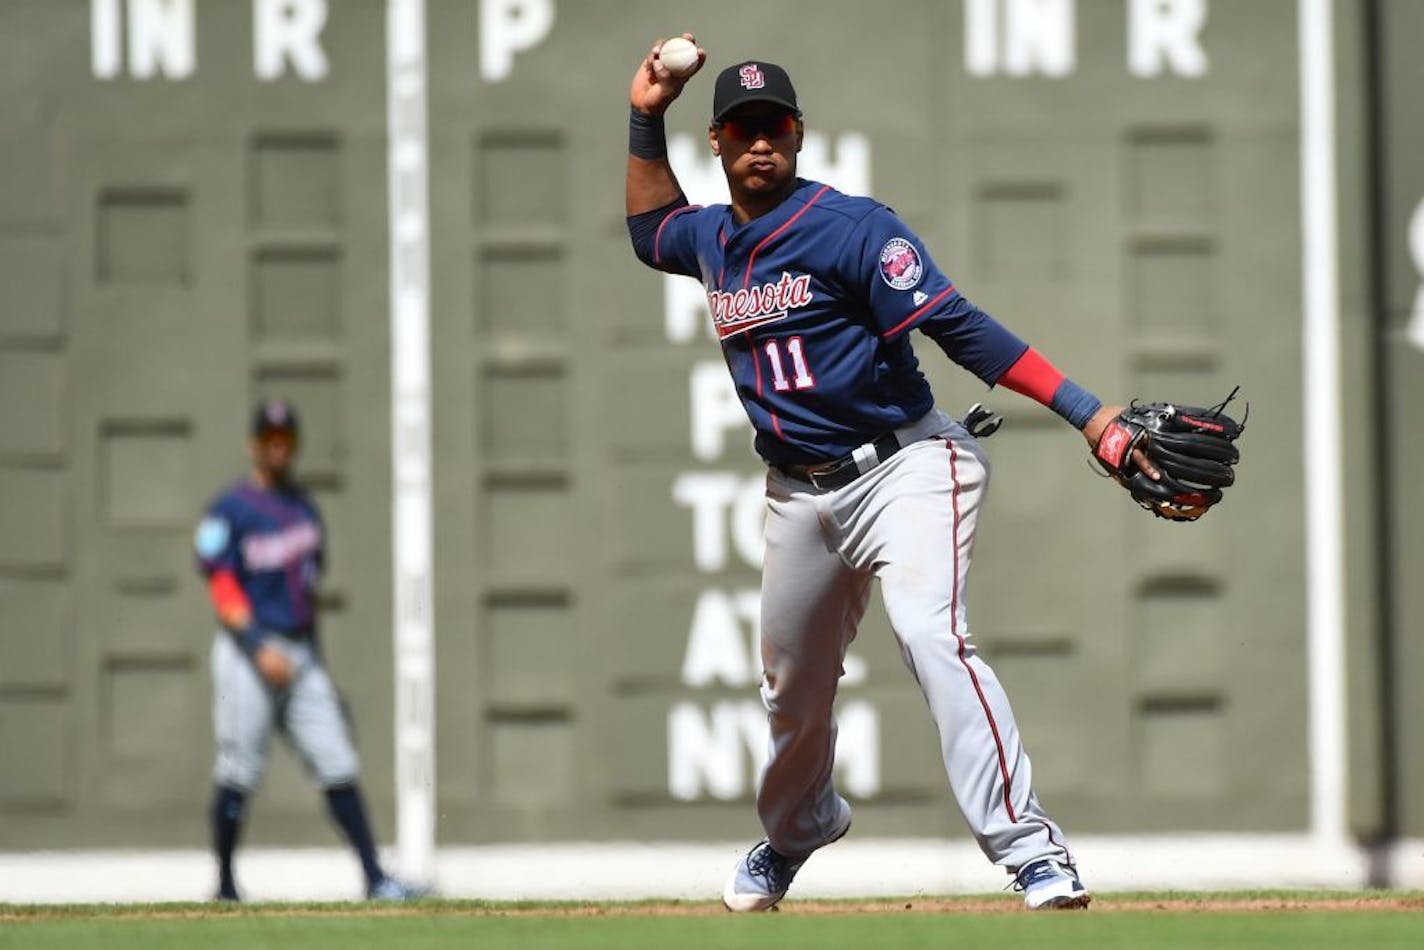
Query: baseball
(679, 56)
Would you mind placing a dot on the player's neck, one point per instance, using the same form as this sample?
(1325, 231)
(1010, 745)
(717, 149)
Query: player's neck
(746, 206)
(265, 480)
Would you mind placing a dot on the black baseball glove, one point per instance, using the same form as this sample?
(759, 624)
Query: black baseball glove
(1193, 448)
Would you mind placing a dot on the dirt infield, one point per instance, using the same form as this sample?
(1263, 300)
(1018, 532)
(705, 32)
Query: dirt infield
(1007, 904)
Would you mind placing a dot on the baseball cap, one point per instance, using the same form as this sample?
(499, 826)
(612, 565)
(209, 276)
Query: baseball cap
(274, 415)
(752, 81)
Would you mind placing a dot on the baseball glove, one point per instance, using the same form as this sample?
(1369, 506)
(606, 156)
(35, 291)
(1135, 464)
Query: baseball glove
(1193, 448)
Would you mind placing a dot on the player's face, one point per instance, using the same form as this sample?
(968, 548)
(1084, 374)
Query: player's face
(273, 452)
(758, 144)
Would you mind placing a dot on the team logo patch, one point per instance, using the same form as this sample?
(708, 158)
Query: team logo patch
(752, 76)
(211, 537)
(900, 264)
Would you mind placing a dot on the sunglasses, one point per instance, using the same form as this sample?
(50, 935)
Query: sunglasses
(751, 128)
(274, 436)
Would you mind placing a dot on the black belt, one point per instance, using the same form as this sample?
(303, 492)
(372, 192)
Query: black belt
(838, 473)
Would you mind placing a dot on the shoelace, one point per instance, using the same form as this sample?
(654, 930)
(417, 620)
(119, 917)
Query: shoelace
(765, 862)
(1043, 868)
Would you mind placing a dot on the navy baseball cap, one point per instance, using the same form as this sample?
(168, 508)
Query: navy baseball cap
(752, 81)
(274, 415)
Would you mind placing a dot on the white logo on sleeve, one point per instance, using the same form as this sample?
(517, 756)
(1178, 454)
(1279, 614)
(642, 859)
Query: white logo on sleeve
(900, 264)
(211, 537)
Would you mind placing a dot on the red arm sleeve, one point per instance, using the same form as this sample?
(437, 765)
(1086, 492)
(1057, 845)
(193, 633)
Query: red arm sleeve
(1032, 376)
(232, 606)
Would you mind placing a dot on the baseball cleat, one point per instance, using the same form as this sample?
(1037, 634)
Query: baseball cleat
(394, 889)
(1049, 885)
(761, 879)
(764, 875)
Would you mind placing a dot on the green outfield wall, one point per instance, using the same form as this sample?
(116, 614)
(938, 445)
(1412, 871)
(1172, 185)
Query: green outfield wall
(193, 214)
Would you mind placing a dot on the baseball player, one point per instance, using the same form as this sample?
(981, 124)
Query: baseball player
(261, 548)
(813, 295)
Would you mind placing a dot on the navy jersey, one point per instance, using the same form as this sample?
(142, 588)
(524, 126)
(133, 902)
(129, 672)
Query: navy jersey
(272, 541)
(812, 303)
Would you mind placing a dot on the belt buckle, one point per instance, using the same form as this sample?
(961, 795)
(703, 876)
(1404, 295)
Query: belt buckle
(814, 475)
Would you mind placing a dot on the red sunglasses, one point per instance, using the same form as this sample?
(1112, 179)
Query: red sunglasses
(278, 435)
(751, 128)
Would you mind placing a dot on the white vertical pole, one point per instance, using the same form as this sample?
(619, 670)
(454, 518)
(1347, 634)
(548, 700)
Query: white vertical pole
(412, 553)
(1324, 497)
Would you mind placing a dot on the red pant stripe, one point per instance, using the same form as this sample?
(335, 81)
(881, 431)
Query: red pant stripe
(954, 628)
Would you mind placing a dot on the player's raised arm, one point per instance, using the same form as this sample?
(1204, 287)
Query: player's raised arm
(650, 183)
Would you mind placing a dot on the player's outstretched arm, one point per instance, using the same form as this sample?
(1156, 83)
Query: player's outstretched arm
(650, 182)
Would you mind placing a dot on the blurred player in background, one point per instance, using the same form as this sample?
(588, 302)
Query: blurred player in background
(261, 548)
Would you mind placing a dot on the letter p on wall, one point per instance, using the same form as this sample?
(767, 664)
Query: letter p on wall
(508, 27)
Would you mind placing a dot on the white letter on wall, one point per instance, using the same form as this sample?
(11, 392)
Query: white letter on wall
(716, 647)
(508, 26)
(161, 39)
(1415, 333)
(848, 172)
(685, 309)
(1039, 37)
(709, 495)
(716, 409)
(981, 37)
(1166, 35)
(698, 171)
(288, 31)
(706, 752)
(858, 748)
(105, 38)
(723, 503)
(749, 521)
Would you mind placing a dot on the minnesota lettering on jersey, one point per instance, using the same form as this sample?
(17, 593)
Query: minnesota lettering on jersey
(741, 310)
(278, 549)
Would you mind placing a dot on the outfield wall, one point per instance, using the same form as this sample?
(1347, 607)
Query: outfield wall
(195, 211)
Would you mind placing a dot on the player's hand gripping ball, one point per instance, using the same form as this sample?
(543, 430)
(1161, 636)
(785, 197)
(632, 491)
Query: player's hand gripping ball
(1194, 450)
(679, 55)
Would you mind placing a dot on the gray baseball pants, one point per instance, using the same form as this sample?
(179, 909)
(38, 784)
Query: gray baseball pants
(308, 712)
(910, 522)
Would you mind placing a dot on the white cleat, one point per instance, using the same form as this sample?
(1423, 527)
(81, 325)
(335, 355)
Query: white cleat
(761, 879)
(764, 875)
(394, 889)
(1050, 885)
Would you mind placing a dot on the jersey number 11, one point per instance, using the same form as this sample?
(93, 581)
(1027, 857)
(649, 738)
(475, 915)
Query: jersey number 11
(803, 378)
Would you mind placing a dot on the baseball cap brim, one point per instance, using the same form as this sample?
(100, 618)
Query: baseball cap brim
(736, 104)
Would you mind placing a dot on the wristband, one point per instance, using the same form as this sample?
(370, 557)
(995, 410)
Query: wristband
(250, 638)
(1074, 403)
(647, 137)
